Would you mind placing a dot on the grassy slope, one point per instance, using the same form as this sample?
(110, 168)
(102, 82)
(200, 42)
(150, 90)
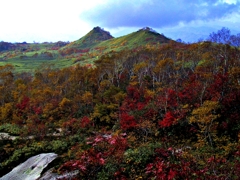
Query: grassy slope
(134, 39)
(90, 40)
(94, 41)
(25, 61)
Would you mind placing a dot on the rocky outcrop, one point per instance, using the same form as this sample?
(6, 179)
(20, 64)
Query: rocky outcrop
(30, 169)
(6, 136)
(49, 175)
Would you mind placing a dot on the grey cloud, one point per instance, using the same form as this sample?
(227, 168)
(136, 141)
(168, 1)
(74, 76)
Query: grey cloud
(156, 13)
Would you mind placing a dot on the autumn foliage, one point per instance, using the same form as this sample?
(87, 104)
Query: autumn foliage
(156, 112)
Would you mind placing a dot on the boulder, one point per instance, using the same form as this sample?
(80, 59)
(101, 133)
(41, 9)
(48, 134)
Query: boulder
(30, 169)
(49, 175)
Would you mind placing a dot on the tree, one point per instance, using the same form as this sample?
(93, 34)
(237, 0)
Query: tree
(222, 36)
(205, 118)
(6, 83)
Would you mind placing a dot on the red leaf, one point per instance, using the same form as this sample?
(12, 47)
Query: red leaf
(171, 174)
(127, 121)
(168, 120)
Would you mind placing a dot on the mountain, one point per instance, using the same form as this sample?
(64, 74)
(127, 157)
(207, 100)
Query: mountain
(29, 56)
(100, 39)
(95, 36)
(141, 37)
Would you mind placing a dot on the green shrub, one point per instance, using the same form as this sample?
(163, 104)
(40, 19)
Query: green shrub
(12, 129)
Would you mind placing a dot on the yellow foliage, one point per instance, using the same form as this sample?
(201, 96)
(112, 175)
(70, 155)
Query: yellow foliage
(134, 83)
(104, 84)
(139, 66)
(185, 106)
(87, 97)
(15, 95)
(163, 65)
(204, 116)
(6, 111)
(149, 93)
(119, 96)
(64, 103)
(234, 73)
(47, 108)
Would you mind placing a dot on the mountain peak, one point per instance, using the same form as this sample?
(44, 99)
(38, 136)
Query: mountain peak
(103, 35)
(97, 28)
(96, 35)
(148, 29)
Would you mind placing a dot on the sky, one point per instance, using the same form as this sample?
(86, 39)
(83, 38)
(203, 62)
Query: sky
(69, 20)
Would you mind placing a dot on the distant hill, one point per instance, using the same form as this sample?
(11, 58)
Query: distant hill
(87, 49)
(95, 36)
(6, 46)
(23, 46)
(99, 39)
(141, 37)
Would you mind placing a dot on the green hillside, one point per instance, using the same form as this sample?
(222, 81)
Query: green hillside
(30, 56)
(94, 41)
(141, 37)
(91, 39)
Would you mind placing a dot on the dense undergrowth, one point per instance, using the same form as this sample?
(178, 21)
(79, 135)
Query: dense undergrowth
(156, 112)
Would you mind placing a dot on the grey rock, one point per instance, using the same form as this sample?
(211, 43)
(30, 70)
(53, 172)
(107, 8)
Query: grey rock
(49, 175)
(31, 169)
(6, 136)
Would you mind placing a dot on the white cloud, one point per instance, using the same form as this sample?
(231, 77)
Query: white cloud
(44, 20)
(230, 1)
(68, 20)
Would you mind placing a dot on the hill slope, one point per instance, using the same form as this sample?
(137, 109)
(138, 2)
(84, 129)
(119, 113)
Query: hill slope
(28, 57)
(139, 38)
(98, 39)
(92, 38)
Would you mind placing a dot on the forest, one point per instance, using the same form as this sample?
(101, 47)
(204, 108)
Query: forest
(167, 111)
